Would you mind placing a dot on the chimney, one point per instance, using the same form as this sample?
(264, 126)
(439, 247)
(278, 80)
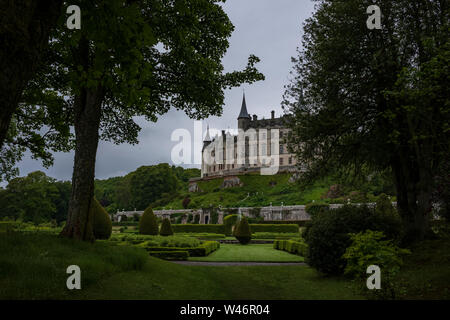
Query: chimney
(255, 117)
(273, 114)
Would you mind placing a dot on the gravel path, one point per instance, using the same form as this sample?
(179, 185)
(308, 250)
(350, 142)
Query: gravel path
(229, 264)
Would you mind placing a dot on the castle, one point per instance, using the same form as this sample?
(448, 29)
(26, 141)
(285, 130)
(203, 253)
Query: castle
(260, 144)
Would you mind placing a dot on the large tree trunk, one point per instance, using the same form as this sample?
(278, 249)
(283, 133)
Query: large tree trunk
(87, 122)
(414, 197)
(25, 27)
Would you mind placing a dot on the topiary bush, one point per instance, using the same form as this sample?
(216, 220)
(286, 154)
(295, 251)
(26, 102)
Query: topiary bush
(228, 222)
(148, 223)
(166, 228)
(327, 234)
(243, 233)
(101, 225)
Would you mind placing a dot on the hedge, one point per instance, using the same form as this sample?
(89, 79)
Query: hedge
(6, 226)
(291, 246)
(229, 221)
(300, 223)
(170, 255)
(201, 251)
(279, 228)
(198, 228)
(125, 223)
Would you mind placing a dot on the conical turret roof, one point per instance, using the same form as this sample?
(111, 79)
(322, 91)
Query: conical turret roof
(243, 113)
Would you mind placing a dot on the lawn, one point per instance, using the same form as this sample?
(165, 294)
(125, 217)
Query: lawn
(249, 252)
(33, 266)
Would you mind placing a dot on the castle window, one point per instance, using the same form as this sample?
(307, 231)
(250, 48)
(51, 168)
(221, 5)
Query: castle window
(290, 160)
(281, 149)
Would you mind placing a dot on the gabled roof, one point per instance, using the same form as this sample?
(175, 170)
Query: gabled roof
(244, 113)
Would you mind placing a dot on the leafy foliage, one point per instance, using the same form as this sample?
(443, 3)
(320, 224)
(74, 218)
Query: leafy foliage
(166, 228)
(102, 226)
(375, 98)
(36, 198)
(369, 248)
(243, 232)
(148, 224)
(327, 234)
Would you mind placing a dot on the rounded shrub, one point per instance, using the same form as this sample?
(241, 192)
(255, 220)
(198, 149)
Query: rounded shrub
(327, 234)
(243, 233)
(229, 221)
(148, 223)
(166, 228)
(102, 225)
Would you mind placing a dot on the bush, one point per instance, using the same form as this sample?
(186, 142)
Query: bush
(228, 222)
(101, 225)
(327, 234)
(279, 228)
(202, 250)
(148, 223)
(170, 255)
(125, 223)
(6, 226)
(166, 228)
(243, 232)
(367, 249)
(294, 247)
(300, 223)
(185, 202)
(198, 228)
(314, 208)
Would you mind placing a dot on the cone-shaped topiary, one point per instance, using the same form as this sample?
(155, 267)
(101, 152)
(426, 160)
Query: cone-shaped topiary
(166, 228)
(102, 225)
(148, 223)
(243, 232)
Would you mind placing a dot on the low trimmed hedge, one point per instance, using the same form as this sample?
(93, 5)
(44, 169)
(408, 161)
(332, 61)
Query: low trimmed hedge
(6, 226)
(278, 228)
(124, 223)
(291, 246)
(300, 223)
(198, 228)
(170, 255)
(201, 251)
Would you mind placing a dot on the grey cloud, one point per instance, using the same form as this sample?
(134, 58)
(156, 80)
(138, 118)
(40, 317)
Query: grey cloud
(267, 28)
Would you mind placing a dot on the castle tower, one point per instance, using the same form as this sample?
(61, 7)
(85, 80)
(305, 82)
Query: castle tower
(207, 140)
(244, 118)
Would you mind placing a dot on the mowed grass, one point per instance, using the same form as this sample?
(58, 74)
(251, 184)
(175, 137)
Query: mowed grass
(249, 252)
(33, 266)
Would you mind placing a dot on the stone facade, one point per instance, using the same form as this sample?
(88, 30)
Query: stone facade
(263, 144)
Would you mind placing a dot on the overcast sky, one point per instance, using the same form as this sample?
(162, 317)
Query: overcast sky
(267, 28)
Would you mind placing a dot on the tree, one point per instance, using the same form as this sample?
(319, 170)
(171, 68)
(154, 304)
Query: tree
(25, 30)
(375, 98)
(148, 223)
(166, 228)
(31, 198)
(243, 232)
(114, 70)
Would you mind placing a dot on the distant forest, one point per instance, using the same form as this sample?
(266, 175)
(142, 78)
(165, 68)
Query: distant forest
(38, 198)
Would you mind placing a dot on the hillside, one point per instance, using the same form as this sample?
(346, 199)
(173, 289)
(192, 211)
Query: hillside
(258, 190)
